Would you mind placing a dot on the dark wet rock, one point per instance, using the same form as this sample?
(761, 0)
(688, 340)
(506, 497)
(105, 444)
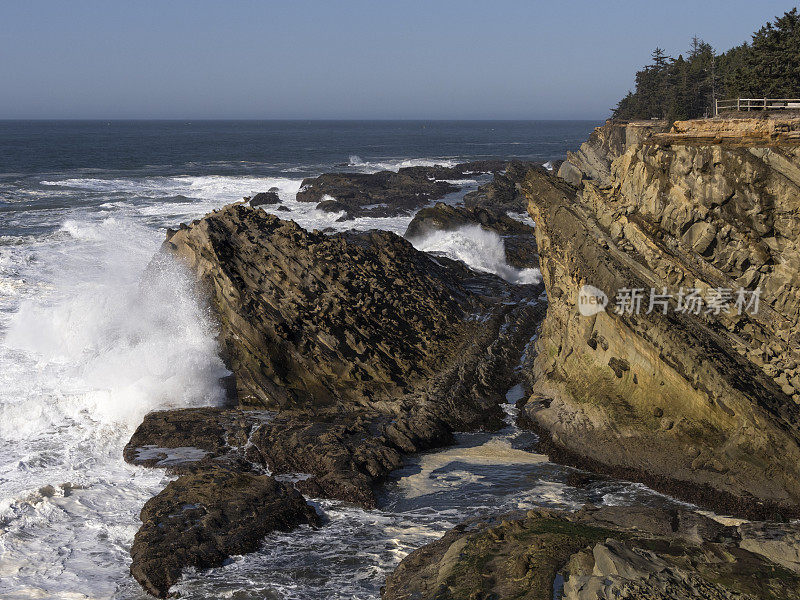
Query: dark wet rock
(605, 553)
(312, 319)
(389, 193)
(265, 198)
(377, 194)
(283, 208)
(193, 439)
(518, 237)
(691, 404)
(334, 206)
(201, 519)
(504, 193)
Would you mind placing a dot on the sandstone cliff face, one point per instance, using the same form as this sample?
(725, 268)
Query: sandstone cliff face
(705, 405)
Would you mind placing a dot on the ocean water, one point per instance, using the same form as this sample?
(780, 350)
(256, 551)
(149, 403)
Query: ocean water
(90, 342)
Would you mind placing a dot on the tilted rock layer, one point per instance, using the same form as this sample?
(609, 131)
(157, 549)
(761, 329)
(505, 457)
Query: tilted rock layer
(704, 406)
(601, 554)
(347, 352)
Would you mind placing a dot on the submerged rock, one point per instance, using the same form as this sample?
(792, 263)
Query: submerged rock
(201, 519)
(599, 554)
(691, 402)
(334, 206)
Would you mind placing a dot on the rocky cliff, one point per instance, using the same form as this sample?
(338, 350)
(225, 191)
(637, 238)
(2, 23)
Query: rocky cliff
(347, 352)
(695, 394)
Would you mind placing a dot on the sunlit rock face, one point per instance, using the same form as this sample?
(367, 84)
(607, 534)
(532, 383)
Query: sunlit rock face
(705, 405)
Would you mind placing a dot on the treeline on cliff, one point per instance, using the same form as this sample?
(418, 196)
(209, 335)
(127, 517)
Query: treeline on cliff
(686, 87)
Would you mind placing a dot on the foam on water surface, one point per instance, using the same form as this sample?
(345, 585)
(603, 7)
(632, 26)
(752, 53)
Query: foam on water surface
(480, 249)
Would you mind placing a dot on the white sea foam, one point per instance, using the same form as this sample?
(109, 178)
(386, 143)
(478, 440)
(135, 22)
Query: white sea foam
(375, 165)
(480, 249)
(95, 341)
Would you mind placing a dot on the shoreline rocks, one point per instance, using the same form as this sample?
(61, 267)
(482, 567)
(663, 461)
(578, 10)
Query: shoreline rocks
(347, 351)
(390, 193)
(201, 519)
(599, 554)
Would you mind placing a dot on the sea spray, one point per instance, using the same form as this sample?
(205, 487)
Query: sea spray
(98, 340)
(480, 249)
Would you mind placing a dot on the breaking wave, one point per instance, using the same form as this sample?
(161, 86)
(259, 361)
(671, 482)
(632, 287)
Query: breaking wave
(480, 249)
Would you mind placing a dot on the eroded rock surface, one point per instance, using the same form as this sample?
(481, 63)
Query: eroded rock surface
(347, 352)
(693, 404)
(606, 553)
(201, 519)
(389, 193)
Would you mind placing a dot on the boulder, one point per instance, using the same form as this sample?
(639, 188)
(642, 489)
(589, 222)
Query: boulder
(265, 198)
(199, 520)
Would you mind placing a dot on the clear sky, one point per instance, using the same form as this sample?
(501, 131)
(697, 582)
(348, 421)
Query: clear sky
(264, 59)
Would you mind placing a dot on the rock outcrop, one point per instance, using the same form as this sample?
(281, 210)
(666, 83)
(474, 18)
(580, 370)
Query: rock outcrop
(700, 402)
(347, 352)
(504, 193)
(389, 193)
(597, 554)
(311, 319)
(201, 519)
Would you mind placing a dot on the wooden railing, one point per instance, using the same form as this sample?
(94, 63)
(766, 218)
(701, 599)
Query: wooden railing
(748, 104)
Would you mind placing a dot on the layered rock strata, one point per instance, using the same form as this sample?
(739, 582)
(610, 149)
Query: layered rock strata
(595, 554)
(704, 406)
(347, 352)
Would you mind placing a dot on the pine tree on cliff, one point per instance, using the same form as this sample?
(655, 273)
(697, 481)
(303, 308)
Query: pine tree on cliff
(686, 88)
(775, 58)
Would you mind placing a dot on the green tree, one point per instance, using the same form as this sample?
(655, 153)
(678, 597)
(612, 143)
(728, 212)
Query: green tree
(769, 66)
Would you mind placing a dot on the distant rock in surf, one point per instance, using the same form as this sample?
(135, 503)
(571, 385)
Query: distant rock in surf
(265, 198)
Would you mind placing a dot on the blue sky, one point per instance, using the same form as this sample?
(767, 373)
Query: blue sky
(439, 59)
